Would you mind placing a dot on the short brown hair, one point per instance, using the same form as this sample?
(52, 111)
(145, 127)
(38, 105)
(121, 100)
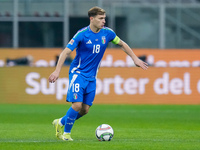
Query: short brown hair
(96, 11)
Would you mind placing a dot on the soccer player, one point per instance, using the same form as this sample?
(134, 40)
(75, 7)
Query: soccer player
(90, 44)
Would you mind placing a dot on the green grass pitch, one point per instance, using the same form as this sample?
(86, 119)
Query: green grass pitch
(136, 127)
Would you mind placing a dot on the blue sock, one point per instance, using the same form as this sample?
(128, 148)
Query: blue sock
(69, 119)
(78, 116)
(63, 120)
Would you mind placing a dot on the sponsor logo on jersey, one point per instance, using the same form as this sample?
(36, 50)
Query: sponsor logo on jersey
(103, 39)
(89, 42)
(71, 41)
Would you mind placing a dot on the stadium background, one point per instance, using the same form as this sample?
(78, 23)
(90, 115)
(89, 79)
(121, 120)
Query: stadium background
(164, 33)
(157, 109)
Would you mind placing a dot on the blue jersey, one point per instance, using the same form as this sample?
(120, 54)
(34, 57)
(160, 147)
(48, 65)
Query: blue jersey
(90, 48)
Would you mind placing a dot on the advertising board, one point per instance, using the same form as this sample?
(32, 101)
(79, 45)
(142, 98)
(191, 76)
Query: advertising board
(115, 85)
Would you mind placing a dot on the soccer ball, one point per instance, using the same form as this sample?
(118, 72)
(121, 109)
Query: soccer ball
(104, 132)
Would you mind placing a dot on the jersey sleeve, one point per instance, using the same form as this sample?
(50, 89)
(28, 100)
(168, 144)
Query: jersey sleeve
(74, 42)
(113, 37)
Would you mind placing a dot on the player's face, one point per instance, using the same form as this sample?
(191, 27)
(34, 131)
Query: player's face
(99, 21)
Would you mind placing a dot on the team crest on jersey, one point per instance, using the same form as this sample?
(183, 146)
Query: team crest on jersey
(103, 39)
(75, 96)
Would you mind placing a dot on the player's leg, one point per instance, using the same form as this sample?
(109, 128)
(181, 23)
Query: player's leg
(88, 99)
(75, 95)
(70, 118)
(67, 121)
(59, 123)
(77, 110)
(84, 110)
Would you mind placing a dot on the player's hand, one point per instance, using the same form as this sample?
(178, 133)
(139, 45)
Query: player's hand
(53, 77)
(142, 64)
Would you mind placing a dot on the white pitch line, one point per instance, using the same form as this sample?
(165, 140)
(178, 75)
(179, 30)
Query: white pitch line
(29, 141)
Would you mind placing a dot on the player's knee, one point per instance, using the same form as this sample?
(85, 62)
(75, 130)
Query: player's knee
(84, 111)
(77, 106)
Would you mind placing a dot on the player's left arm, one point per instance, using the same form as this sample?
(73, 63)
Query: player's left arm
(128, 51)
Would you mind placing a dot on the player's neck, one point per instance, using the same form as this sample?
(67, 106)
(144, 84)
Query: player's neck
(94, 29)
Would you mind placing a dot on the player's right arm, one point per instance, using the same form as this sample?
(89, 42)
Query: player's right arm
(54, 76)
(73, 43)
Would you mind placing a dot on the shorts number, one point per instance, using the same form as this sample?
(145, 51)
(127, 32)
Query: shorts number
(75, 87)
(96, 48)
